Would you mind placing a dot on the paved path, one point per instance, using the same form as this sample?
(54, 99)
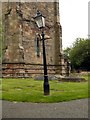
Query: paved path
(72, 109)
(0, 109)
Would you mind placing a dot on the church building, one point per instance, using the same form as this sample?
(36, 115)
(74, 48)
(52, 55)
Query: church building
(22, 43)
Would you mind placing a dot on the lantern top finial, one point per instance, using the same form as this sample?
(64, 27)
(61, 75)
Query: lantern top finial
(39, 14)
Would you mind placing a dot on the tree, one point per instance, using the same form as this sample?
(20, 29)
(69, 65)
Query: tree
(79, 54)
(67, 51)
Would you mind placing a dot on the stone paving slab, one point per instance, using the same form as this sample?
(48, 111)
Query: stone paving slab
(71, 109)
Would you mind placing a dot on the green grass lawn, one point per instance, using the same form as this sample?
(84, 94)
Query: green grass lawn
(29, 90)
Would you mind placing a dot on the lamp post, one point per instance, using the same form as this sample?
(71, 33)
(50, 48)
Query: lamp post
(40, 21)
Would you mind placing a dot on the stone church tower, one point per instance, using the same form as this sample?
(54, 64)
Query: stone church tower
(22, 45)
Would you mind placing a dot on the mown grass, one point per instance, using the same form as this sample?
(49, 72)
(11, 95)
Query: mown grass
(29, 90)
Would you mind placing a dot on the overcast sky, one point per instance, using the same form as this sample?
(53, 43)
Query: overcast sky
(74, 20)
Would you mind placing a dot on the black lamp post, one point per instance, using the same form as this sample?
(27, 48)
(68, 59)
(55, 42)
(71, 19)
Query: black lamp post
(40, 21)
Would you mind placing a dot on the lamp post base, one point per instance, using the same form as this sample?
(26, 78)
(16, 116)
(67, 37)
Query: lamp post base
(46, 89)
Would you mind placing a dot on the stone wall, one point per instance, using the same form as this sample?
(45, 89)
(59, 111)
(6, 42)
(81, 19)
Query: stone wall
(20, 33)
(25, 70)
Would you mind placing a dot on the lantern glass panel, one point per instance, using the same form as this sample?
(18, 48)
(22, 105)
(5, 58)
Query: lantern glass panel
(40, 21)
(43, 19)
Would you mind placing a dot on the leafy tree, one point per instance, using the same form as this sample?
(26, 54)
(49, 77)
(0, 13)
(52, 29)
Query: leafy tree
(67, 51)
(79, 54)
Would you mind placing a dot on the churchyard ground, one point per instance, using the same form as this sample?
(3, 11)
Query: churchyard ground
(30, 90)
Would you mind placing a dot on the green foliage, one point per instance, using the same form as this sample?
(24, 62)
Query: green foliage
(79, 54)
(29, 90)
(67, 51)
